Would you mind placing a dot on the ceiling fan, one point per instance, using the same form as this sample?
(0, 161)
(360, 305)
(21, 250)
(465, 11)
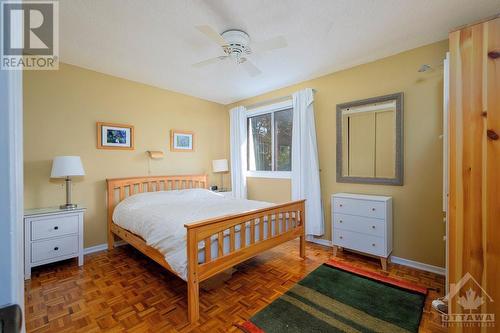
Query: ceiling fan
(236, 46)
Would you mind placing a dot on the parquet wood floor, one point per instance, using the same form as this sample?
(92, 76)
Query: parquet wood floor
(124, 291)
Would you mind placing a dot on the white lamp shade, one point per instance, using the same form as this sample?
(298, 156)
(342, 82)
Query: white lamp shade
(219, 165)
(67, 166)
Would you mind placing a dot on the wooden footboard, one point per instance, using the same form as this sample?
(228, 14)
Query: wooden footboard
(283, 222)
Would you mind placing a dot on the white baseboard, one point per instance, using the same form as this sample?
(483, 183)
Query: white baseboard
(419, 265)
(95, 248)
(101, 247)
(320, 241)
(397, 260)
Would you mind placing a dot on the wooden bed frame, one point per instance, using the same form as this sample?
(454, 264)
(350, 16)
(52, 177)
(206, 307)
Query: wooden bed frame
(290, 216)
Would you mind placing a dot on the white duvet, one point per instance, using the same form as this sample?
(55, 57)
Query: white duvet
(159, 218)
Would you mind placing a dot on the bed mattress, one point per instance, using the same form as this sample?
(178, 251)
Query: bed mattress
(159, 218)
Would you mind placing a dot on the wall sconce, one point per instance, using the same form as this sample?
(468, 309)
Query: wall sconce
(155, 154)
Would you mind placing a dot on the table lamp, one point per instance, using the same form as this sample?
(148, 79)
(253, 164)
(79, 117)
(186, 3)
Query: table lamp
(220, 166)
(67, 167)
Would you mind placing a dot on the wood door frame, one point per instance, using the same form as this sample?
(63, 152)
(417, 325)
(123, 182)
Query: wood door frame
(474, 150)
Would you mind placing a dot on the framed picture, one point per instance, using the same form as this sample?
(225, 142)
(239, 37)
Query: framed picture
(115, 136)
(181, 141)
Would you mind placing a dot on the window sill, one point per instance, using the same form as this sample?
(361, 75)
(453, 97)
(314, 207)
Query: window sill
(270, 174)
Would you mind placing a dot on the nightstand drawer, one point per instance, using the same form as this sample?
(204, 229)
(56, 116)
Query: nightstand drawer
(53, 248)
(54, 226)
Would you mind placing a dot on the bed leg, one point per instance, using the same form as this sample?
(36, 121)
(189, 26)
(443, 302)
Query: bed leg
(193, 301)
(111, 241)
(303, 246)
(303, 233)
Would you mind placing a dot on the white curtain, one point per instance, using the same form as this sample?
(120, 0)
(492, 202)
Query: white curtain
(238, 137)
(305, 165)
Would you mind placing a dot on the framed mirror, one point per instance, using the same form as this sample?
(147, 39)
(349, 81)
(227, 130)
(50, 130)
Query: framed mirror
(370, 141)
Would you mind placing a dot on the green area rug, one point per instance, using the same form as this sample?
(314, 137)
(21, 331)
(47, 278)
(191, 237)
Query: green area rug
(337, 297)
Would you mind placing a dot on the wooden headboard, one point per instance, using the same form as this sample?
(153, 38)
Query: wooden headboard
(121, 188)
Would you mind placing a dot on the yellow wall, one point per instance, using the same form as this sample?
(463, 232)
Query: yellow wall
(418, 226)
(61, 109)
(259, 189)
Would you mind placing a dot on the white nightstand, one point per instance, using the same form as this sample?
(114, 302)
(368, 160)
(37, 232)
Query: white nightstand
(52, 234)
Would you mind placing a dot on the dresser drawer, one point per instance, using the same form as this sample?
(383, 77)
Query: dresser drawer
(359, 242)
(54, 226)
(367, 208)
(366, 225)
(53, 248)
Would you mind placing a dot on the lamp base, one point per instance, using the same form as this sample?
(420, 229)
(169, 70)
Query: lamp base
(68, 206)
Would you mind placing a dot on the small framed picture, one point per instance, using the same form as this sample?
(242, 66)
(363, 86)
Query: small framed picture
(181, 141)
(115, 136)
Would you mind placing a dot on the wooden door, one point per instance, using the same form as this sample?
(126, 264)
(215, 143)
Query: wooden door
(474, 170)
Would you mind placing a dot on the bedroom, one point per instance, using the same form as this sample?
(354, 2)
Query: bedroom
(243, 150)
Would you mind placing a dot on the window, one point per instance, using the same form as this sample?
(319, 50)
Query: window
(269, 134)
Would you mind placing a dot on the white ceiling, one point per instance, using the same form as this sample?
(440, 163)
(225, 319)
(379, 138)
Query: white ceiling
(155, 41)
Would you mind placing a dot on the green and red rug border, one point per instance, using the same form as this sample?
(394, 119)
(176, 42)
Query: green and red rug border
(405, 285)
(249, 327)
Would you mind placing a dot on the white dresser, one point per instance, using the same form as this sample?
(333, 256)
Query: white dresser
(52, 234)
(362, 223)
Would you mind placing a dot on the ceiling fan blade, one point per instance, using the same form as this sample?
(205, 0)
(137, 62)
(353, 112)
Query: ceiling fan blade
(208, 61)
(251, 69)
(270, 44)
(212, 34)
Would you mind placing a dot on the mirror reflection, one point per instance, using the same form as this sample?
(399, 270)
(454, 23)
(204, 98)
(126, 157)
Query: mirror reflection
(369, 141)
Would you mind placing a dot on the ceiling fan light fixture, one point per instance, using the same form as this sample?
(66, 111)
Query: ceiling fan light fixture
(236, 46)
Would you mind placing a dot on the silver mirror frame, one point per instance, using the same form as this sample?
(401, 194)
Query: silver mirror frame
(398, 179)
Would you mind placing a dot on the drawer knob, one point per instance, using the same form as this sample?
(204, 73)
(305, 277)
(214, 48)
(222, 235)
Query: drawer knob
(340, 205)
(373, 209)
(56, 227)
(373, 227)
(373, 244)
(341, 237)
(56, 248)
(340, 221)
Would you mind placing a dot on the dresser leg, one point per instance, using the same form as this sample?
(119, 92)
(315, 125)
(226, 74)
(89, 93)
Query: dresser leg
(383, 262)
(80, 260)
(335, 250)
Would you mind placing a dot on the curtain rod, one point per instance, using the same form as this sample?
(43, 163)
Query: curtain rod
(271, 101)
